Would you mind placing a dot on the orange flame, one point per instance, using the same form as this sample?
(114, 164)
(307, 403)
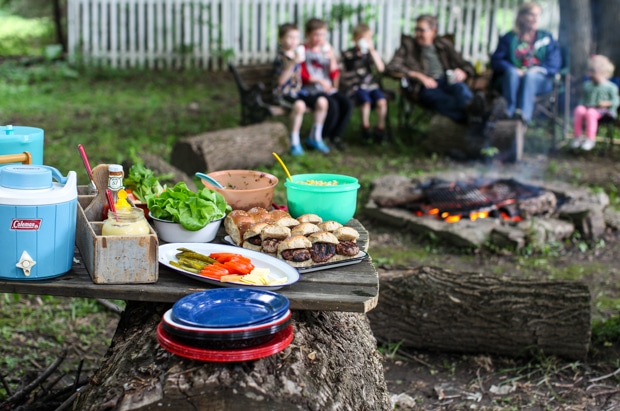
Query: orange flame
(479, 214)
(453, 218)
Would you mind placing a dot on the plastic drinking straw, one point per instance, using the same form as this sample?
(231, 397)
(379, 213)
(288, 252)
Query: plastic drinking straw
(283, 166)
(89, 170)
(108, 194)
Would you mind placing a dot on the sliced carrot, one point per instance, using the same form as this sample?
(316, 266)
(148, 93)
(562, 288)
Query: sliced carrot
(222, 257)
(214, 270)
(235, 267)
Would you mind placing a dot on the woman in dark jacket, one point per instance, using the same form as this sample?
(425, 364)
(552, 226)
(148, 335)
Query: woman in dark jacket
(438, 73)
(526, 59)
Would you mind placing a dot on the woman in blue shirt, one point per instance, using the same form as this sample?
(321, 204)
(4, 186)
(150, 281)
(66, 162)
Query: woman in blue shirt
(526, 59)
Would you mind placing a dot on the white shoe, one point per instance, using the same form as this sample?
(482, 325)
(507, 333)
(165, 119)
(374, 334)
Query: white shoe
(588, 144)
(577, 142)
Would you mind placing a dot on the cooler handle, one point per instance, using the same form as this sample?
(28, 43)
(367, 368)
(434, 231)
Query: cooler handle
(56, 174)
(24, 158)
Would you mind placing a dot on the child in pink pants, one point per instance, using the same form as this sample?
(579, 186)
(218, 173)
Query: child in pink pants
(599, 98)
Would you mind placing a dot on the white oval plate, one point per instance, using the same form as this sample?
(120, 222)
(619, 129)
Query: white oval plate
(277, 269)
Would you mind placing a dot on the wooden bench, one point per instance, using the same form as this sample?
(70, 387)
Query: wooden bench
(255, 85)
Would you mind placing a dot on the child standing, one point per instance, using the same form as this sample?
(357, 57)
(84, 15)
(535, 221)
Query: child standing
(599, 98)
(360, 81)
(320, 75)
(288, 91)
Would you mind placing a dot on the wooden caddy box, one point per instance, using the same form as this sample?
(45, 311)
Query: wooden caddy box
(112, 259)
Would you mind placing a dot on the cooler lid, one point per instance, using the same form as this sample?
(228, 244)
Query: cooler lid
(32, 185)
(27, 177)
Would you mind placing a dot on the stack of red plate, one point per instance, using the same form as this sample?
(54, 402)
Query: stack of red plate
(225, 325)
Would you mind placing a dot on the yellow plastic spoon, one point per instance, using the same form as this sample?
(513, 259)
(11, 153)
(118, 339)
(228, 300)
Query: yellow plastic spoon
(283, 166)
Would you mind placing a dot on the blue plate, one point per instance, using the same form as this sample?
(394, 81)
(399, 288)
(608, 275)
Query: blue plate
(228, 307)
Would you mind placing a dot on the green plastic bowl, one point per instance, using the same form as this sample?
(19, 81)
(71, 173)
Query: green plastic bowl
(330, 202)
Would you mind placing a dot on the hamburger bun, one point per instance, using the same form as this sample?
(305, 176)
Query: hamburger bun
(278, 214)
(274, 231)
(309, 218)
(259, 214)
(236, 223)
(346, 234)
(329, 225)
(253, 232)
(305, 229)
(323, 237)
(286, 222)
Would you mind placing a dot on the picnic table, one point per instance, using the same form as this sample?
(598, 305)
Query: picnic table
(328, 307)
(352, 288)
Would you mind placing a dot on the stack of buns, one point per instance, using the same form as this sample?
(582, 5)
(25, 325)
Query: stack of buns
(302, 242)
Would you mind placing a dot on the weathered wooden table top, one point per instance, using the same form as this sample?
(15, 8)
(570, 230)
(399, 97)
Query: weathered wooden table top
(353, 288)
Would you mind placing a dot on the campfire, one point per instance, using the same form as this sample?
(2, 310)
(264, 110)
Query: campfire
(468, 209)
(508, 199)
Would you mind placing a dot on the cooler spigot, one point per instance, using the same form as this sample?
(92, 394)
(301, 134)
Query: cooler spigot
(25, 263)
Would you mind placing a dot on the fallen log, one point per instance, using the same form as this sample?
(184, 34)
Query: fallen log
(470, 141)
(235, 148)
(436, 309)
(332, 364)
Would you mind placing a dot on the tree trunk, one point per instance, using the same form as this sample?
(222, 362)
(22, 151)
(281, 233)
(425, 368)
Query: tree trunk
(606, 15)
(431, 308)
(235, 148)
(576, 35)
(469, 141)
(332, 364)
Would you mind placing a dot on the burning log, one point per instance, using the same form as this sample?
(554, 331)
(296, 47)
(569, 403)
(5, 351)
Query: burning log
(470, 141)
(333, 363)
(431, 308)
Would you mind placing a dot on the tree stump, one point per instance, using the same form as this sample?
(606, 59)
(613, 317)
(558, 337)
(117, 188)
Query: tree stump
(332, 364)
(468, 141)
(235, 148)
(431, 308)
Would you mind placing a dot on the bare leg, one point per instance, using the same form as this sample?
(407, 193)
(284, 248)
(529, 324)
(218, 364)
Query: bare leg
(381, 108)
(365, 108)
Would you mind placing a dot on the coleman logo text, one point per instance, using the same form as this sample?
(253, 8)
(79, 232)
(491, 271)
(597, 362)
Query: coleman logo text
(21, 224)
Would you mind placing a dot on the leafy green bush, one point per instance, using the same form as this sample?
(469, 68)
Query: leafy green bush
(24, 37)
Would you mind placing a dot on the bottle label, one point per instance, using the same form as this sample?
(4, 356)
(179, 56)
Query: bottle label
(115, 183)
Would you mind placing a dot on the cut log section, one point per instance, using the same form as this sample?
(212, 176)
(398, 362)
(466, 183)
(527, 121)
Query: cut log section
(431, 308)
(235, 148)
(469, 141)
(333, 363)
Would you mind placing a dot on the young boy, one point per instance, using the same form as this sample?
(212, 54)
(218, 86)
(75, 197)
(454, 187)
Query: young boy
(288, 91)
(360, 83)
(320, 75)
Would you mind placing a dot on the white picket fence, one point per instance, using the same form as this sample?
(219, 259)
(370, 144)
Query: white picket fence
(207, 33)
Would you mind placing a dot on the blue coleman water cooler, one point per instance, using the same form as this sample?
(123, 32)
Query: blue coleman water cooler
(37, 222)
(17, 139)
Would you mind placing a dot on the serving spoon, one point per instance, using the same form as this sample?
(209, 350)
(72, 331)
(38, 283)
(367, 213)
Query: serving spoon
(209, 179)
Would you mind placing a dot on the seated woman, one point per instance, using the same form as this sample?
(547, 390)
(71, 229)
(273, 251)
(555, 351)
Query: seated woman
(525, 61)
(427, 59)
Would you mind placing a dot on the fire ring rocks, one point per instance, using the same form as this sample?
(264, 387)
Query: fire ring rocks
(470, 210)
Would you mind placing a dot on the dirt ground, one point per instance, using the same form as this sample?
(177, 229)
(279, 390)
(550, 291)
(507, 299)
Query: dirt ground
(423, 380)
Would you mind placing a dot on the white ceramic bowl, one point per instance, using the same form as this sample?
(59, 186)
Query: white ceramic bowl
(172, 232)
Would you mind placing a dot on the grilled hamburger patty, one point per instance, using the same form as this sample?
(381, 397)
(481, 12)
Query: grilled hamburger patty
(348, 248)
(298, 255)
(270, 245)
(322, 252)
